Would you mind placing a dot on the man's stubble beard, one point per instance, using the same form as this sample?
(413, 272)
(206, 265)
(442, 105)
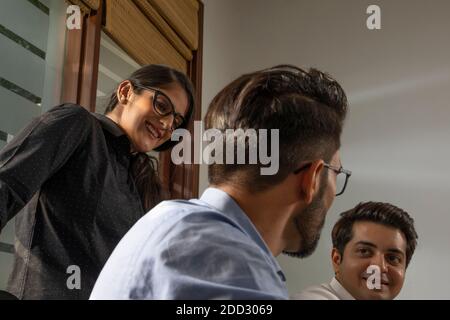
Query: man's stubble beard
(309, 224)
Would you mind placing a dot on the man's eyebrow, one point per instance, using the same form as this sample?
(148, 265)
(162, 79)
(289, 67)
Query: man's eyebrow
(366, 243)
(370, 244)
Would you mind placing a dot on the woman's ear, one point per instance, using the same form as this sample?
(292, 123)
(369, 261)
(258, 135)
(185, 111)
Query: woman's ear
(310, 180)
(124, 91)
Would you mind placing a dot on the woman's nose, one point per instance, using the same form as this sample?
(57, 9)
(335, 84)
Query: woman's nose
(167, 122)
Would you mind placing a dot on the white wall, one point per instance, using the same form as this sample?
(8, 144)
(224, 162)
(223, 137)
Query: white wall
(397, 135)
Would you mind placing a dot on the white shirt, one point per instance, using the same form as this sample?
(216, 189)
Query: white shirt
(332, 291)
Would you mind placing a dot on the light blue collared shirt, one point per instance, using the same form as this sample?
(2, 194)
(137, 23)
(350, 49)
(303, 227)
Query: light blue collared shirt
(196, 249)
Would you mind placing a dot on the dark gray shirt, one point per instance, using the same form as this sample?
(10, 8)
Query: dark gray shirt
(69, 173)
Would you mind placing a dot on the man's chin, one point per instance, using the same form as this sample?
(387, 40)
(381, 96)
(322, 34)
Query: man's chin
(306, 251)
(376, 294)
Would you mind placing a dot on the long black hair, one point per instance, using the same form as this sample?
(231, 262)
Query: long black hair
(143, 166)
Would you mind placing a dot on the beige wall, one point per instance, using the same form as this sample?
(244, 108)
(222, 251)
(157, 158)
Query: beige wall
(396, 139)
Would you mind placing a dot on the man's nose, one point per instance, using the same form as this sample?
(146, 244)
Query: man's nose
(380, 261)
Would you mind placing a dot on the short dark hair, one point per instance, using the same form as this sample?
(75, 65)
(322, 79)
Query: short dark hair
(378, 212)
(308, 108)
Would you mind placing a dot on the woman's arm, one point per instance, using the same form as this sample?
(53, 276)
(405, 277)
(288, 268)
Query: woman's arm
(36, 153)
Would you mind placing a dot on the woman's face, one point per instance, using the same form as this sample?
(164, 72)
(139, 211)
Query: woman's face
(145, 128)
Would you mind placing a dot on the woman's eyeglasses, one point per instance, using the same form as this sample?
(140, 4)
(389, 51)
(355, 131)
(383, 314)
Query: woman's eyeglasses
(163, 106)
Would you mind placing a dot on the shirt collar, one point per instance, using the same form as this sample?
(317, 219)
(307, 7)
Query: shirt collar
(109, 125)
(340, 291)
(223, 202)
(122, 141)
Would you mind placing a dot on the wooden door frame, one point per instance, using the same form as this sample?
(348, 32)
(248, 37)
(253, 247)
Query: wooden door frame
(81, 61)
(182, 180)
(80, 87)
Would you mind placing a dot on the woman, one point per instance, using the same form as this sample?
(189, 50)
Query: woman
(84, 179)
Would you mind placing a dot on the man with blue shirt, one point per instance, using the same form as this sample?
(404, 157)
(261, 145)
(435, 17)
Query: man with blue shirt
(223, 245)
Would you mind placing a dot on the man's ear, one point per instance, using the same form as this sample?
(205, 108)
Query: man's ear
(310, 180)
(124, 91)
(336, 258)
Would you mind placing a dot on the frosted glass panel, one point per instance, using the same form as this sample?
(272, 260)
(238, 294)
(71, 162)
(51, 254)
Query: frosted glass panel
(16, 112)
(31, 49)
(7, 235)
(31, 24)
(6, 263)
(21, 66)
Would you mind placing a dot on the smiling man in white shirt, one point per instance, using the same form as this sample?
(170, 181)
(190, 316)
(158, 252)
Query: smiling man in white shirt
(373, 244)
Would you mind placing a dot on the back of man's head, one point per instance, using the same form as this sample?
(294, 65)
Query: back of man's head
(307, 107)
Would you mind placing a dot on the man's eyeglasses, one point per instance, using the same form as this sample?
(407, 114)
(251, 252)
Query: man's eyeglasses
(342, 176)
(163, 106)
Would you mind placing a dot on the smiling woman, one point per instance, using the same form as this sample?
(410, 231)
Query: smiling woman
(148, 116)
(83, 179)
